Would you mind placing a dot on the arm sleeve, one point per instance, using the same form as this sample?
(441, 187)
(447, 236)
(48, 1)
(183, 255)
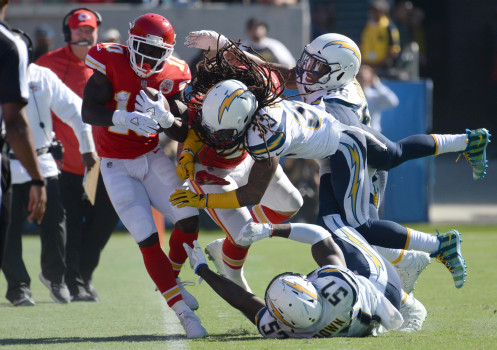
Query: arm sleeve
(67, 106)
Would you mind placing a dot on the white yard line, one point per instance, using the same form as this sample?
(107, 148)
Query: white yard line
(173, 326)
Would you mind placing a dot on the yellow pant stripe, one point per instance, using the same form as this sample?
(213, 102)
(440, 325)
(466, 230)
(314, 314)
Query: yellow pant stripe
(259, 213)
(436, 144)
(400, 257)
(408, 238)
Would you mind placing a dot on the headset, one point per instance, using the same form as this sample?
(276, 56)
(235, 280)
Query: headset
(65, 26)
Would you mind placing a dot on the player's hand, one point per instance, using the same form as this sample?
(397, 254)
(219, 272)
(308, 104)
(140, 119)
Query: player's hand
(37, 203)
(139, 122)
(155, 109)
(206, 40)
(186, 166)
(187, 198)
(89, 159)
(253, 232)
(195, 256)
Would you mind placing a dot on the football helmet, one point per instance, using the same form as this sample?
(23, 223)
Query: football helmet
(328, 62)
(151, 40)
(293, 300)
(226, 112)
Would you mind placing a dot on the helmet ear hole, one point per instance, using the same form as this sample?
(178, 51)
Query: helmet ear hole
(340, 76)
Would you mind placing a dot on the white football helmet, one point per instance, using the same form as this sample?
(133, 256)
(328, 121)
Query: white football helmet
(151, 41)
(293, 300)
(227, 111)
(328, 62)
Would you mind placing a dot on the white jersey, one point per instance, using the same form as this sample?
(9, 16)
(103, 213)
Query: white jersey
(294, 130)
(352, 307)
(349, 95)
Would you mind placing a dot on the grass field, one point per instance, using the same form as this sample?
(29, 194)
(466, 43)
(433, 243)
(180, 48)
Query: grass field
(132, 315)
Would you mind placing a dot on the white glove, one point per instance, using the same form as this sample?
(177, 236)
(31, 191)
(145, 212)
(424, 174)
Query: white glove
(155, 109)
(205, 40)
(253, 232)
(195, 256)
(140, 123)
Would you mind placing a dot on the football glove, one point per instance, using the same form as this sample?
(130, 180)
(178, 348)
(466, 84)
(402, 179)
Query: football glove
(138, 122)
(186, 167)
(205, 40)
(187, 198)
(195, 256)
(155, 109)
(253, 232)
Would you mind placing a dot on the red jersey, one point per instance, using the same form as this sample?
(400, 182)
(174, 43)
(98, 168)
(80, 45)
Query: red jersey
(73, 72)
(112, 61)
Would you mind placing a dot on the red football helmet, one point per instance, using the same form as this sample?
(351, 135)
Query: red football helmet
(151, 40)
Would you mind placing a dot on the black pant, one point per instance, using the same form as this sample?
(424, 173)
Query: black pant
(5, 203)
(52, 234)
(88, 228)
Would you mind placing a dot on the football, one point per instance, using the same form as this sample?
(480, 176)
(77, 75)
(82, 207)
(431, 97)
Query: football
(153, 95)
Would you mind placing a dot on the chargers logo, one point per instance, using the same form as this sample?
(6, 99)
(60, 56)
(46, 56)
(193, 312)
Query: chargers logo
(228, 100)
(355, 167)
(345, 45)
(301, 289)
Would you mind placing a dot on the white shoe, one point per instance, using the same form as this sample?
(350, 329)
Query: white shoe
(410, 267)
(214, 251)
(189, 299)
(191, 324)
(414, 314)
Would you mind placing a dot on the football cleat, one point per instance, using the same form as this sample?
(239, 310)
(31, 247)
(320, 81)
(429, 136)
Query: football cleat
(414, 314)
(476, 151)
(449, 254)
(188, 298)
(410, 267)
(192, 325)
(214, 251)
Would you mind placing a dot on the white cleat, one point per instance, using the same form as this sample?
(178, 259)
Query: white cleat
(214, 251)
(188, 298)
(410, 267)
(414, 314)
(192, 325)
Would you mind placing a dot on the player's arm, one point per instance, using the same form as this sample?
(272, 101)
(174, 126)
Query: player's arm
(178, 131)
(212, 41)
(250, 194)
(324, 249)
(236, 296)
(98, 91)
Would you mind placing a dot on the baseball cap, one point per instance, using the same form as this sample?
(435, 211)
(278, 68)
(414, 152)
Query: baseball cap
(82, 18)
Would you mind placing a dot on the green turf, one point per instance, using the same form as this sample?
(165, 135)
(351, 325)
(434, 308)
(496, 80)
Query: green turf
(132, 315)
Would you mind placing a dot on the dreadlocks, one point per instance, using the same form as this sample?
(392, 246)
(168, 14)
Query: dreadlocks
(259, 78)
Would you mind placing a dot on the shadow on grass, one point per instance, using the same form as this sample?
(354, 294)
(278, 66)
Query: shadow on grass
(242, 336)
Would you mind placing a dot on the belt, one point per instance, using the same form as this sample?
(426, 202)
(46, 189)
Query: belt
(40, 151)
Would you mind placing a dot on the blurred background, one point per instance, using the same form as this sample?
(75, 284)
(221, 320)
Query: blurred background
(444, 73)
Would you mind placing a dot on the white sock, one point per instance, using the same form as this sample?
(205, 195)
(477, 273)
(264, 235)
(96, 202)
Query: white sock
(180, 307)
(450, 143)
(422, 241)
(392, 255)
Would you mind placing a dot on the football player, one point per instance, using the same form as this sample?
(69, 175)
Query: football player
(217, 171)
(331, 301)
(295, 129)
(325, 75)
(136, 172)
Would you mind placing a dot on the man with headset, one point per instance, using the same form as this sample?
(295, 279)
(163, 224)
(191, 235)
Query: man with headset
(46, 93)
(13, 98)
(88, 226)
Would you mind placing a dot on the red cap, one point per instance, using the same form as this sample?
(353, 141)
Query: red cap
(82, 18)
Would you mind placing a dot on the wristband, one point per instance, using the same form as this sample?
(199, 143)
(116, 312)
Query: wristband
(41, 183)
(189, 151)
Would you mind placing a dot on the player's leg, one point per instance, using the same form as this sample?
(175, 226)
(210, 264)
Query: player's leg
(228, 257)
(348, 188)
(280, 202)
(123, 180)
(159, 183)
(471, 144)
